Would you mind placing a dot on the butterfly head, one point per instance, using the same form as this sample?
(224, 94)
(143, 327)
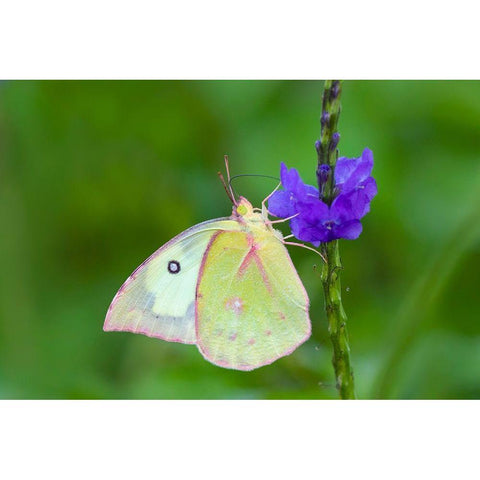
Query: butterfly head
(243, 208)
(247, 215)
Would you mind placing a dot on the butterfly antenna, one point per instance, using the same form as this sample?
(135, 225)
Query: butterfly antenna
(227, 187)
(229, 180)
(232, 199)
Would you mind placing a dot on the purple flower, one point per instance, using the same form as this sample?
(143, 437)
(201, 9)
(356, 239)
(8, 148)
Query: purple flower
(318, 223)
(283, 203)
(353, 178)
(314, 220)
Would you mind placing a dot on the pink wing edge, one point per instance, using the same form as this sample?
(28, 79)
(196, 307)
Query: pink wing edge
(248, 368)
(110, 328)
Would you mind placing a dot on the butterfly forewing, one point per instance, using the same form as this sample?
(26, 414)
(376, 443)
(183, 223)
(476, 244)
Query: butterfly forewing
(251, 305)
(158, 299)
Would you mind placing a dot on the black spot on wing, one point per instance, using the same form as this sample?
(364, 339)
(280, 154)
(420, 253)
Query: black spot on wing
(173, 267)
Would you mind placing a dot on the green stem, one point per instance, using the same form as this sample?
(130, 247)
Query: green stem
(327, 147)
(337, 319)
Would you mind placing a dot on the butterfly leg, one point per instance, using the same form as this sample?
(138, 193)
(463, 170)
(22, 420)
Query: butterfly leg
(305, 246)
(265, 211)
(283, 219)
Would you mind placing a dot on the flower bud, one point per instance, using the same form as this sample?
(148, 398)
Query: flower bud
(335, 90)
(324, 119)
(334, 141)
(323, 176)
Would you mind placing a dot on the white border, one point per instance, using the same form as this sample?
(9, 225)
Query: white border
(215, 39)
(238, 440)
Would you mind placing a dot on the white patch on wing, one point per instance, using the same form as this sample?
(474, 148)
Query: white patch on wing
(158, 303)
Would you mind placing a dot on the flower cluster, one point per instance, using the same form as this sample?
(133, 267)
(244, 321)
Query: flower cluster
(314, 220)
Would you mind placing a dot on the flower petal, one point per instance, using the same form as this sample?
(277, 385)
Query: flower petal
(307, 192)
(343, 169)
(282, 204)
(365, 164)
(342, 209)
(359, 203)
(370, 188)
(312, 211)
(349, 173)
(361, 196)
(290, 178)
(307, 232)
(349, 230)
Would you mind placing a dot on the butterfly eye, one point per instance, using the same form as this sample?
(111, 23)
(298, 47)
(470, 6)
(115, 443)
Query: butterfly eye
(173, 266)
(242, 210)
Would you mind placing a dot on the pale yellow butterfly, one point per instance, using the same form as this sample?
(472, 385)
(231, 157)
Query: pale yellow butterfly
(227, 285)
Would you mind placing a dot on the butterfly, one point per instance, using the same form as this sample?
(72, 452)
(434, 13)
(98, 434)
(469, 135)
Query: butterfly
(226, 285)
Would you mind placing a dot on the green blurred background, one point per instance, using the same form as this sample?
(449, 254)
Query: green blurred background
(95, 176)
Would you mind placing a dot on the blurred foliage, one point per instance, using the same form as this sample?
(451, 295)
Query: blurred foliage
(95, 176)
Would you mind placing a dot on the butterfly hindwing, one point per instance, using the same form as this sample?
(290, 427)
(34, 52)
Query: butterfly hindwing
(251, 305)
(158, 299)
